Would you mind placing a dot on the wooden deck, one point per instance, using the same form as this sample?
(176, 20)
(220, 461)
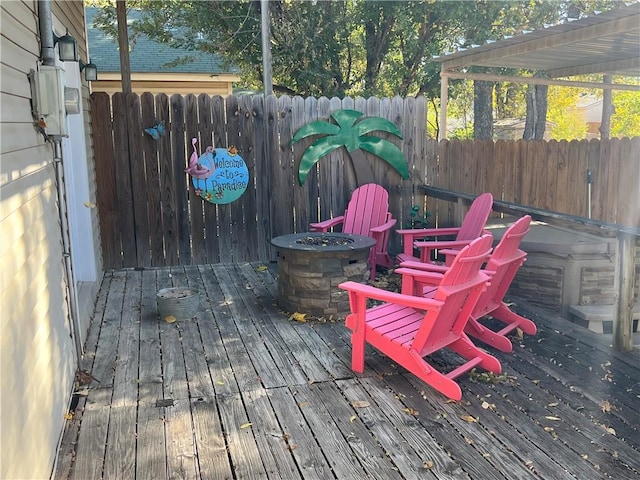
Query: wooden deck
(241, 391)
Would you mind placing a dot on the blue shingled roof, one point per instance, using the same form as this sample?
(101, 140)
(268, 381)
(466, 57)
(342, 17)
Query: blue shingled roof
(146, 56)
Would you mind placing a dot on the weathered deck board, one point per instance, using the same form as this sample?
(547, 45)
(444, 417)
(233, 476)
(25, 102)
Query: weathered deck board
(212, 451)
(242, 391)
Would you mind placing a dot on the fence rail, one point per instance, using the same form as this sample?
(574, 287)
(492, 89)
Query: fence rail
(151, 216)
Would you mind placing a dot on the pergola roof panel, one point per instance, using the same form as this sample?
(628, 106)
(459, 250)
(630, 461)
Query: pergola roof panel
(605, 43)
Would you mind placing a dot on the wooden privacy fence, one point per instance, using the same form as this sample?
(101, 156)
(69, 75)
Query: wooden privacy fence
(151, 216)
(599, 179)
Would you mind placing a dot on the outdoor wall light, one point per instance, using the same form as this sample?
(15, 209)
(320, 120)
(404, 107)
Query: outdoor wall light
(90, 71)
(67, 47)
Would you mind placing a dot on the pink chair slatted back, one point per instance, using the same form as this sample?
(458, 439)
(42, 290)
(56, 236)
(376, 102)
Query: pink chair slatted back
(459, 291)
(368, 208)
(476, 218)
(503, 264)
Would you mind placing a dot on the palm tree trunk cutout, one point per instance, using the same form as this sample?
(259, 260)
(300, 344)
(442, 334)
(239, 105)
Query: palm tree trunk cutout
(352, 135)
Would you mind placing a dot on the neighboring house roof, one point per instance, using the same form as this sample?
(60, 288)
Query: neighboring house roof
(150, 65)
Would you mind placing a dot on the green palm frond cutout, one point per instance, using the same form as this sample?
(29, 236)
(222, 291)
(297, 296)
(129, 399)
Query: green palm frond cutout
(388, 151)
(373, 124)
(317, 150)
(315, 128)
(351, 134)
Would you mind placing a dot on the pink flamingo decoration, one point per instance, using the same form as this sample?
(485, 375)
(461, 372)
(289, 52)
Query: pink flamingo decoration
(196, 169)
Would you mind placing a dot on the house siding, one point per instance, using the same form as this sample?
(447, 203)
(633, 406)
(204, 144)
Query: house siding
(37, 353)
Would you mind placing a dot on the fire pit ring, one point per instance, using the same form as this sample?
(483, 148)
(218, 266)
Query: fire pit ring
(311, 265)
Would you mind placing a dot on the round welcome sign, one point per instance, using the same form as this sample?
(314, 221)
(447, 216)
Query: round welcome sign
(227, 176)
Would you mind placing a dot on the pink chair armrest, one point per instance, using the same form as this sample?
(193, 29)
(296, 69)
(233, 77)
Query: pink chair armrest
(450, 244)
(410, 235)
(431, 278)
(427, 267)
(427, 247)
(429, 232)
(327, 224)
(367, 291)
(384, 227)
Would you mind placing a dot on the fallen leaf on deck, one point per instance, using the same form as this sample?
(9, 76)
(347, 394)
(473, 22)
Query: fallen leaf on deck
(245, 425)
(352, 418)
(605, 406)
(68, 416)
(609, 430)
(487, 405)
(428, 464)
(262, 268)
(555, 419)
(411, 411)
(469, 418)
(298, 317)
(169, 319)
(360, 404)
(89, 204)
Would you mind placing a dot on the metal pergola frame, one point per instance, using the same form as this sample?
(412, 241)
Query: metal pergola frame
(607, 43)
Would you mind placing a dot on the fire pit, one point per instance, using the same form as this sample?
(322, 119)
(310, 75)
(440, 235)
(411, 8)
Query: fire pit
(311, 265)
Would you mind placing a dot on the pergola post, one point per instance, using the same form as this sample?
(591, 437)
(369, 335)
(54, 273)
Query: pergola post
(444, 98)
(624, 304)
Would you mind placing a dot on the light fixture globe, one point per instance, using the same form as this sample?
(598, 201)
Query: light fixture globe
(90, 71)
(67, 48)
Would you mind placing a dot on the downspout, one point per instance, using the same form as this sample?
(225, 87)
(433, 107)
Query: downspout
(47, 47)
(48, 57)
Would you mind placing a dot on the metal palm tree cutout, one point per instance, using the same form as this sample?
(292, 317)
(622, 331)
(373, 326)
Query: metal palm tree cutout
(353, 136)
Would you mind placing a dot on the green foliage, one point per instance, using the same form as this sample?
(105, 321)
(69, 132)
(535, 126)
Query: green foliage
(332, 48)
(416, 219)
(567, 121)
(625, 121)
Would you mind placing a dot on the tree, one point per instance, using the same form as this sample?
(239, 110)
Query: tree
(337, 48)
(482, 110)
(566, 121)
(353, 136)
(625, 121)
(343, 47)
(536, 120)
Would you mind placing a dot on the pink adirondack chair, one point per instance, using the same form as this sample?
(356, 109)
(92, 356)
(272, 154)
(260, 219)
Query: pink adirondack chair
(367, 214)
(407, 328)
(502, 266)
(471, 228)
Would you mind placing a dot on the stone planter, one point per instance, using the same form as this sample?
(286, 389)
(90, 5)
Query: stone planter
(178, 302)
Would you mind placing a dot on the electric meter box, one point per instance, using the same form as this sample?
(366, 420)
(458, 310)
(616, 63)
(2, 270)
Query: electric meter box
(51, 100)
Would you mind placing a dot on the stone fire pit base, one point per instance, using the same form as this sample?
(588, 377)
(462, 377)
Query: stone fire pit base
(309, 274)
